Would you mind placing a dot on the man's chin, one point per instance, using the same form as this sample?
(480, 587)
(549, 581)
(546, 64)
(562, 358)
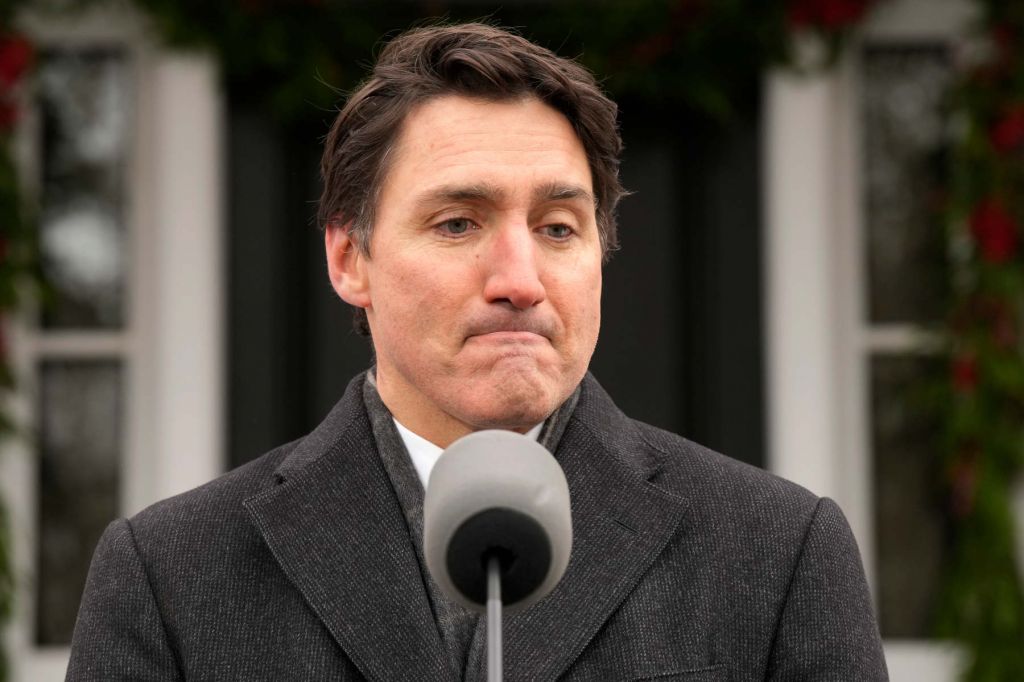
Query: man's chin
(516, 403)
(519, 423)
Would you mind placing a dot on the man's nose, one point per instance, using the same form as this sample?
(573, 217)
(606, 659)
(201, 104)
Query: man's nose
(512, 268)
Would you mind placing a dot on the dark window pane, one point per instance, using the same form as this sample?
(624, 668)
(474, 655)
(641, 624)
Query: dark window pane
(85, 104)
(80, 444)
(905, 138)
(909, 525)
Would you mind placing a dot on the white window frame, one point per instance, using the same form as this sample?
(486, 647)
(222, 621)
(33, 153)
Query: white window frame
(172, 345)
(819, 340)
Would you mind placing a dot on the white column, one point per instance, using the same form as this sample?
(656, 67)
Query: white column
(799, 172)
(179, 308)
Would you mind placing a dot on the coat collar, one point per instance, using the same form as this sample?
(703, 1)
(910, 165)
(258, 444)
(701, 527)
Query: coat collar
(335, 526)
(333, 523)
(621, 523)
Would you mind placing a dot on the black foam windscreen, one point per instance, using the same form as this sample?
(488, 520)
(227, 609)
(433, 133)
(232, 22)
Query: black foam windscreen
(518, 542)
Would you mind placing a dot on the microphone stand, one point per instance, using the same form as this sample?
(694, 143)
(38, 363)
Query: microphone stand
(494, 620)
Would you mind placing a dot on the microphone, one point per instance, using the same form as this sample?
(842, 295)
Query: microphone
(497, 498)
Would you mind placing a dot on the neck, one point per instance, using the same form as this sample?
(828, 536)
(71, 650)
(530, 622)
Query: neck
(415, 412)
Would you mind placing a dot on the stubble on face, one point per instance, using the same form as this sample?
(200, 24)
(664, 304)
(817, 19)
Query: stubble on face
(485, 277)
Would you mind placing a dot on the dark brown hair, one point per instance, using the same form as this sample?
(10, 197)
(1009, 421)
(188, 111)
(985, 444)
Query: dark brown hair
(472, 60)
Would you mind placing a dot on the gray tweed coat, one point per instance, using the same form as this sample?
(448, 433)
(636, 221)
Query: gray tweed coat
(686, 565)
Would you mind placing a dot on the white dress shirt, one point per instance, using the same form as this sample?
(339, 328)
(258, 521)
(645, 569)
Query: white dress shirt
(425, 454)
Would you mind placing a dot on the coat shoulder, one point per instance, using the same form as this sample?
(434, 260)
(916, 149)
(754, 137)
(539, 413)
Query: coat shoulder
(219, 503)
(725, 487)
(215, 505)
(709, 483)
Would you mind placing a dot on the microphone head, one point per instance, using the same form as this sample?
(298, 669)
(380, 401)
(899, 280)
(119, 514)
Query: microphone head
(502, 494)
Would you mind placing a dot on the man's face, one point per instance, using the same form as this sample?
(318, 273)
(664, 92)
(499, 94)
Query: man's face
(483, 284)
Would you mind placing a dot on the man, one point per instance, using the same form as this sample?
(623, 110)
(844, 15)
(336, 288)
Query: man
(470, 188)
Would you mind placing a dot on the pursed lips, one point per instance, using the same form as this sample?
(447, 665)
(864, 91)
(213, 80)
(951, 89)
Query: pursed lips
(512, 331)
(509, 337)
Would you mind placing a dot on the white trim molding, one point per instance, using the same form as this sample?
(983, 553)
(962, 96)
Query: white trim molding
(799, 171)
(180, 306)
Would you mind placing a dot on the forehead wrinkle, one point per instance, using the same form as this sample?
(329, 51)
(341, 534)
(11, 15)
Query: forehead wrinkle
(459, 153)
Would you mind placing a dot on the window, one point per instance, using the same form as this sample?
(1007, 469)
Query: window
(904, 140)
(81, 347)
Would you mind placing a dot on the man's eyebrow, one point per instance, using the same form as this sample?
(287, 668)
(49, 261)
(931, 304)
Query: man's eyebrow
(475, 192)
(557, 191)
(554, 191)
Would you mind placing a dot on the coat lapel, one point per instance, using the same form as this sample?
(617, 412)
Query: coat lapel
(336, 528)
(620, 525)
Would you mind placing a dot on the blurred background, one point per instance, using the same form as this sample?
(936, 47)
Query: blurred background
(818, 272)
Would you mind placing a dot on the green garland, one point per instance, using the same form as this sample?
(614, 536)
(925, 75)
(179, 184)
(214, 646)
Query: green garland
(982, 603)
(706, 53)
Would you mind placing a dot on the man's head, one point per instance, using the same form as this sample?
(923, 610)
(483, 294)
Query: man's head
(472, 60)
(469, 200)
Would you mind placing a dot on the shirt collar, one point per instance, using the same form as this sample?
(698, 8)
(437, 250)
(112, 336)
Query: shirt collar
(425, 454)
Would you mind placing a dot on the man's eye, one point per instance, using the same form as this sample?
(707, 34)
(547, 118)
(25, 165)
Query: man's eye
(558, 231)
(456, 226)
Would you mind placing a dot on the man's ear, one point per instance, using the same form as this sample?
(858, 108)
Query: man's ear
(346, 265)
